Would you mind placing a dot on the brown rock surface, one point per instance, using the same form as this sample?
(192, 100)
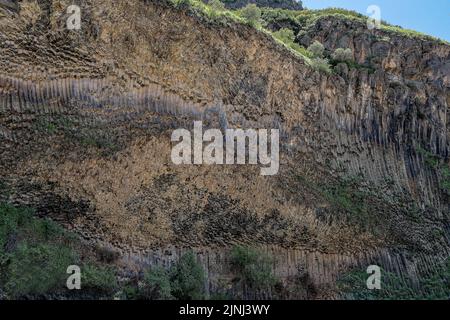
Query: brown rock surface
(86, 118)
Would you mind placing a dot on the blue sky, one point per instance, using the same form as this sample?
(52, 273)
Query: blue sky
(431, 17)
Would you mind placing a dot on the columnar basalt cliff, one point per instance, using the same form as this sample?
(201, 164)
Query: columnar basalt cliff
(86, 118)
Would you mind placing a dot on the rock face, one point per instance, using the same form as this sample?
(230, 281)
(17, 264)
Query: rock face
(87, 115)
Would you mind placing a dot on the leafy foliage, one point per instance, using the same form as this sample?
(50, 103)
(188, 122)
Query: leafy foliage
(216, 5)
(435, 286)
(187, 278)
(158, 285)
(342, 55)
(98, 278)
(441, 167)
(321, 64)
(37, 269)
(253, 266)
(317, 49)
(252, 14)
(35, 254)
(287, 37)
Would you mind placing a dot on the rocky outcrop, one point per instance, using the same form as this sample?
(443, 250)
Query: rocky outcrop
(355, 184)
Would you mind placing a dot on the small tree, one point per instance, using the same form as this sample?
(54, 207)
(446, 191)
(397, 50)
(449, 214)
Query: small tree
(98, 278)
(158, 284)
(285, 35)
(253, 267)
(317, 49)
(252, 14)
(342, 55)
(187, 278)
(216, 5)
(321, 64)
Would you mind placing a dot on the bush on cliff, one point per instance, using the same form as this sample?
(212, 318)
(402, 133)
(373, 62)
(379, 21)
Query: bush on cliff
(252, 14)
(185, 280)
(253, 267)
(342, 55)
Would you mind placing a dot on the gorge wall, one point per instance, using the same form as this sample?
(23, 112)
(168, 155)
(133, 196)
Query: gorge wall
(86, 118)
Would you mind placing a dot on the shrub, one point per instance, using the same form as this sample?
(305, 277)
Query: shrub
(12, 221)
(342, 55)
(157, 284)
(38, 269)
(31, 261)
(316, 49)
(252, 14)
(321, 64)
(187, 278)
(16, 221)
(181, 3)
(215, 9)
(98, 278)
(216, 5)
(434, 286)
(10, 218)
(253, 267)
(35, 254)
(287, 37)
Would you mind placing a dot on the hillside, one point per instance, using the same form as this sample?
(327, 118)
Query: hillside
(86, 119)
(279, 4)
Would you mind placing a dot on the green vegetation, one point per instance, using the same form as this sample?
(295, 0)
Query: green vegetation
(300, 21)
(308, 18)
(321, 64)
(253, 267)
(52, 124)
(158, 284)
(279, 16)
(37, 269)
(45, 126)
(445, 174)
(317, 49)
(97, 139)
(286, 36)
(318, 62)
(345, 194)
(98, 278)
(435, 286)
(35, 254)
(185, 280)
(342, 55)
(252, 14)
(313, 55)
(440, 165)
(213, 12)
(4, 188)
(412, 33)
(216, 6)
(353, 202)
